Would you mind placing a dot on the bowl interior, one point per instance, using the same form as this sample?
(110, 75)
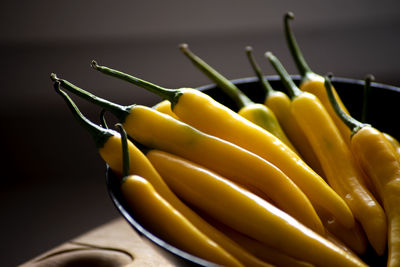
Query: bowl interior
(381, 113)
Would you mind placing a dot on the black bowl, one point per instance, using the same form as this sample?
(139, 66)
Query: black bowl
(381, 114)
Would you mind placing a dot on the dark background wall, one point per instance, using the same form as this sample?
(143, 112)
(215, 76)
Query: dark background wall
(52, 180)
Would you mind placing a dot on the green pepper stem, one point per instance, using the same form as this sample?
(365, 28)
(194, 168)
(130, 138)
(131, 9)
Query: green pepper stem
(227, 86)
(366, 96)
(287, 81)
(99, 134)
(353, 124)
(264, 83)
(294, 48)
(125, 150)
(121, 112)
(170, 94)
(103, 121)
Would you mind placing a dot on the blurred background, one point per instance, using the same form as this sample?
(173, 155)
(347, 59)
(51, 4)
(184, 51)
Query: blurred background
(52, 179)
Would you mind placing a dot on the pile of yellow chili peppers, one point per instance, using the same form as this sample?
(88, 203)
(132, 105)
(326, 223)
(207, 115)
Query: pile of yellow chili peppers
(293, 181)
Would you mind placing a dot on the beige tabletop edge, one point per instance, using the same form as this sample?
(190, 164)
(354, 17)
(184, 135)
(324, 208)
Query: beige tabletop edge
(112, 244)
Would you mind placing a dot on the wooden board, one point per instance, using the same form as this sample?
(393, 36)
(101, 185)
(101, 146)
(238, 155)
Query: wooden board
(113, 244)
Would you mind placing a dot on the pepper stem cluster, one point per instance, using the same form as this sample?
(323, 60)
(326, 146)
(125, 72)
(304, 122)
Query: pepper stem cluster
(264, 83)
(99, 134)
(121, 112)
(227, 86)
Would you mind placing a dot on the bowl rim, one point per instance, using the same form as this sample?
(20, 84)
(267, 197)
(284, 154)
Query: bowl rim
(297, 78)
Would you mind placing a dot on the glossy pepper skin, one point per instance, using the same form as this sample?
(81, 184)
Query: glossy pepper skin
(279, 103)
(381, 162)
(340, 168)
(141, 166)
(395, 143)
(183, 176)
(159, 131)
(259, 249)
(257, 113)
(165, 107)
(354, 238)
(243, 211)
(204, 113)
(312, 82)
(162, 219)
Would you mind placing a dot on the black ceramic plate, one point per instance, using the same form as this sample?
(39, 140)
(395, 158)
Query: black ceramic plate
(382, 114)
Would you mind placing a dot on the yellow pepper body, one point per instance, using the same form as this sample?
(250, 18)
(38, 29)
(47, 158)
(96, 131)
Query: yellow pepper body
(314, 84)
(209, 116)
(378, 158)
(262, 116)
(354, 237)
(157, 130)
(340, 168)
(280, 103)
(395, 143)
(243, 211)
(111, 153)
(165, 107)
(261, 250)
(164, 221)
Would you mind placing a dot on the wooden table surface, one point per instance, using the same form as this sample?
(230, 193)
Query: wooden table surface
(112, 244)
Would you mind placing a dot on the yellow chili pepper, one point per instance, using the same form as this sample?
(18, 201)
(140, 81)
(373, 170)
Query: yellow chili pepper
(165, 107)
(279, 103)
(364, 118)
(164, 220)
(380, 161)
(353, 237)
(395, 143)
(204, 113)
(254, 112)
(312, 82)
(109, 145)
(259, 249)
(243, 211)
(340, 168)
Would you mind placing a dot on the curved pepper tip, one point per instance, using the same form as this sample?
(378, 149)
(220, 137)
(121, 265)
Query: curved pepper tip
(54, 77)
(94, 64)
(184, 47)
(369, 78)
(268, 54)
(329, 75)
(289, 15)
